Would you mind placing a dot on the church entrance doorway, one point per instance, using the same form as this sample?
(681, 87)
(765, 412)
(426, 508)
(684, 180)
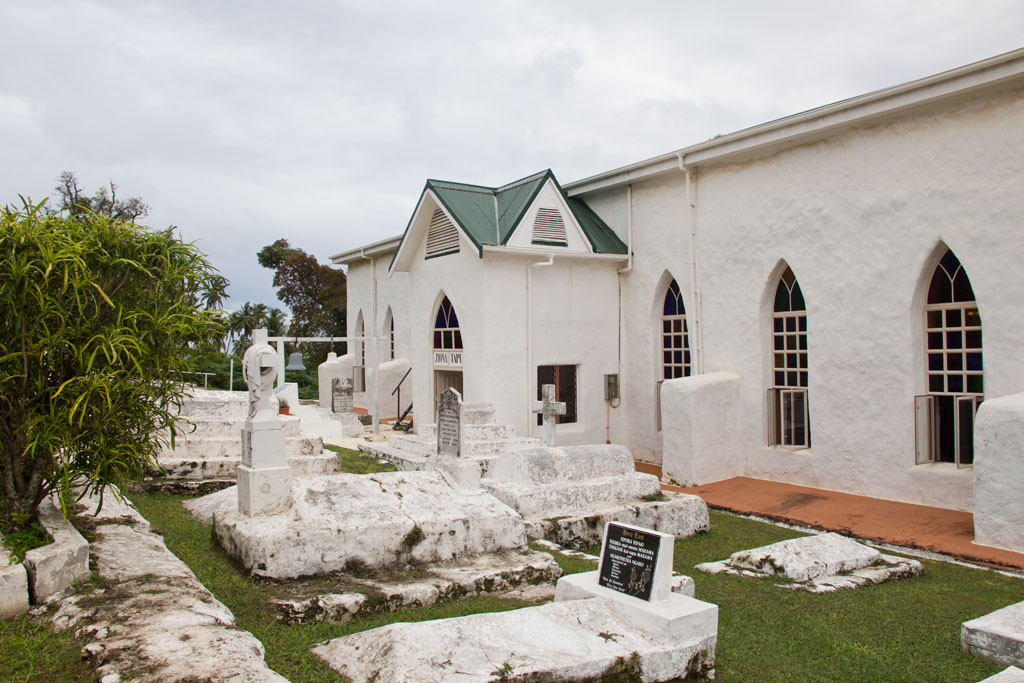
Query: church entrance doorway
(447, 345)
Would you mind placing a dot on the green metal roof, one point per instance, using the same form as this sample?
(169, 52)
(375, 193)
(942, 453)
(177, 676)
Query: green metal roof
(489, 215)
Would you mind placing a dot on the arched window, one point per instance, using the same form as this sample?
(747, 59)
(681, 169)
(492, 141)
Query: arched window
(389, 328)
(675, 343)
(787, 399)
(953, 367)
(359, 369)
(447, 350)
(446, 328)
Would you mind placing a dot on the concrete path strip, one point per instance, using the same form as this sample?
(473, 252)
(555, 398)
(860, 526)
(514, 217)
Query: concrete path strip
(148, 618)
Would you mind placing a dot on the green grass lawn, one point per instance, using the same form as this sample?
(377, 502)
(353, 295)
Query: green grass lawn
(901, 631)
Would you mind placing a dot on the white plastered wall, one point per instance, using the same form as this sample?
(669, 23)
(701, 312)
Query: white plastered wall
(861, 218)
(660, 253)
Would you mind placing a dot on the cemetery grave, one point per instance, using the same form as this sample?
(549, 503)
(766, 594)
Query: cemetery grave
(998, 636)
(206, 449)
(568, 494)
(463, 430)
(618, 628)
(817, 564)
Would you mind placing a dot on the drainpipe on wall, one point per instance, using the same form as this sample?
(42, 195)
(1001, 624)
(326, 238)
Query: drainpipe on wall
(529, 334)
(696, 304)
(374, 396)
(621, 272)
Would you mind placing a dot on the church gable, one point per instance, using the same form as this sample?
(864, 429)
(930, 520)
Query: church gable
(549, 223)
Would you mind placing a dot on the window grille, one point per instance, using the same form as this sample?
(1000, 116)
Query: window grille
(787, 405)
(954, 373)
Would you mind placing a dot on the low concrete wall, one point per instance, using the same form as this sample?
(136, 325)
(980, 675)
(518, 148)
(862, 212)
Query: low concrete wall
(54, 567)
(999, 473)
(699, 428)
(13, 586)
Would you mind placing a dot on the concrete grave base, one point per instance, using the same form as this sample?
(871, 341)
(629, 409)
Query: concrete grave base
(577, 640)
(497, 573)
(349, 521)
(817, 564)
(998, 636)
(682, 515)
(585, 585)
(13, 585)
(1008, 675)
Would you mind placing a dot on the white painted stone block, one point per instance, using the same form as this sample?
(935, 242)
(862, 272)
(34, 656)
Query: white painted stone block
(13, 586)
(699, 423)
(54, 567)
(998, 636)
(265, 490)
(999, 473)
(348, 521)
(1008, 675)
(561, 641)
(805, 558)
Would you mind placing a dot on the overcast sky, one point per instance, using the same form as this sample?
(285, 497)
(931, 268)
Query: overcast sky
(242, 121)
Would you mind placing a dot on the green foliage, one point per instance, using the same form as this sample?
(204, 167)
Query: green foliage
(314, 292)
(74, 203)
(31, 651)
(355, 462)
(98, 316)
(29, 537)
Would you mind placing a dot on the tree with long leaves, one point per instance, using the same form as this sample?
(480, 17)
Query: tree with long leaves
(98, 315)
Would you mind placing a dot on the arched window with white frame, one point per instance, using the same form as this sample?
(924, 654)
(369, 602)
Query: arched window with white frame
(389, 330)
(954, 376)
(675, 342)
(359, 368)
(788, 411)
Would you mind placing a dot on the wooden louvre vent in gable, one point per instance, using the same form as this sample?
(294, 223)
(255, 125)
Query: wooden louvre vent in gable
(548, 227)
(443, 236)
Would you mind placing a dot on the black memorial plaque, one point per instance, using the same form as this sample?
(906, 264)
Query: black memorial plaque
(628, 561)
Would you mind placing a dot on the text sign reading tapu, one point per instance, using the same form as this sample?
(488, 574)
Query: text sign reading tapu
(448, 359)
(628, 560)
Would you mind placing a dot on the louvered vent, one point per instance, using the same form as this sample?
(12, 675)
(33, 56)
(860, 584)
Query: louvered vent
(549, 228)
(443, 236)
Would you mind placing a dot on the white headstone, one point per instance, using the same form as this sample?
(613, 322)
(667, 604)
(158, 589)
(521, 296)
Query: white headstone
(264, 477)
(549, 408)
(449, 423)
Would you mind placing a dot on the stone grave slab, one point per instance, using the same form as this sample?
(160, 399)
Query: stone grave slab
(615, 636)
(823, 563)
(568, 494)
(498, 573)
(348, 521)
(1010, 674)
(998, 636)
(559, 641)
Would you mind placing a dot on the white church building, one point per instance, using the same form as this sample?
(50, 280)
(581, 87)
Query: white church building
(824, 300)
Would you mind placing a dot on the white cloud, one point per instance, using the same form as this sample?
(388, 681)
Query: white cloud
(245, 121)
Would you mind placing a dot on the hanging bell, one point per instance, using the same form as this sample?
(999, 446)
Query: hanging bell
(295, 362)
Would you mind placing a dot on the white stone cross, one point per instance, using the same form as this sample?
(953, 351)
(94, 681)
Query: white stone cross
(549, 408)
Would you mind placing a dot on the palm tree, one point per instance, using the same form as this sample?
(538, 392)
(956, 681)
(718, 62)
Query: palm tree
(276, 323)
(242, 322)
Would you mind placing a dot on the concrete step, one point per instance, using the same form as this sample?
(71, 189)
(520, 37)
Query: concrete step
(212, 428)
(225, 467)
(230, 447)
(473, 432)
(998, 636)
